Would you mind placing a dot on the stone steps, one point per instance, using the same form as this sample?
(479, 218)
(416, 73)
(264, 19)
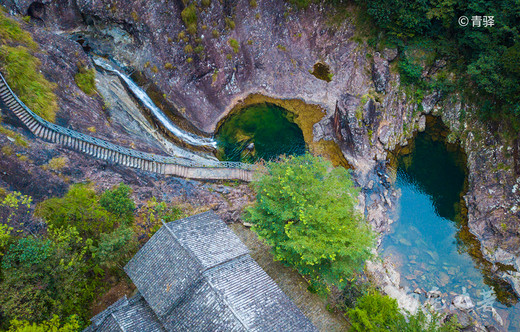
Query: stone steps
(113, 153)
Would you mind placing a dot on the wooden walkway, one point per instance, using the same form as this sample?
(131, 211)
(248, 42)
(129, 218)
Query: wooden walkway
(98, 148)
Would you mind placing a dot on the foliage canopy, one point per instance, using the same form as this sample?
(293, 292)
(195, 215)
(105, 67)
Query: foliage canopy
(305, 210)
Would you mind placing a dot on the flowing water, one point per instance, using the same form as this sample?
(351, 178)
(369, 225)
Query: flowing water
(261, 131)
(430, 242)
(141, 95)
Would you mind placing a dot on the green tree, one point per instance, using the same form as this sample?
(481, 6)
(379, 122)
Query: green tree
(375, 312)
(44, 277)
(52, 325)
(305, 210)
(79, 208)
(116, 248)
(118, 202)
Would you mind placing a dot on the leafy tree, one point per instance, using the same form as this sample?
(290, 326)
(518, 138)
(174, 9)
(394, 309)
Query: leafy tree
(116, 248)
(79, 208)
(52, 325)
(305, 210)
(375, 312)
(118, 202)
(41, 277)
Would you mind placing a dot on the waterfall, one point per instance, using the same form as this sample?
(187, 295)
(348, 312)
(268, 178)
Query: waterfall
(140, 94)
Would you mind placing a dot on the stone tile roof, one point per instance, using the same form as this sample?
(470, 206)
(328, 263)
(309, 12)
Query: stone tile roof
(194, 274)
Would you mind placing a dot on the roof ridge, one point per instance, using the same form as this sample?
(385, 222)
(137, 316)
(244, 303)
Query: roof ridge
(188, 250)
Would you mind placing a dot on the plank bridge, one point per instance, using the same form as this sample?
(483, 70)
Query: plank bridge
(176, 166)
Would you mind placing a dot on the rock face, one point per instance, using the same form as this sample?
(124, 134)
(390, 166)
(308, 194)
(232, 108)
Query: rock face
(277, 46)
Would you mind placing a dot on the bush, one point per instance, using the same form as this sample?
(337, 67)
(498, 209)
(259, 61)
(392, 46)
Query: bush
(116, 248)
(85, 79)
(52, 325)
(79, 208)
(305, 209)
(189, 17)
(380, 313)
(234, 45)
(118, 202)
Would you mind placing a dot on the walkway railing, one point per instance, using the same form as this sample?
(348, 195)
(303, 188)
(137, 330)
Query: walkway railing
(213, 170)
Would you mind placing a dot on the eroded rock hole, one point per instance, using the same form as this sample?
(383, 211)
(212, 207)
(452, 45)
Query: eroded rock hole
(36, 10)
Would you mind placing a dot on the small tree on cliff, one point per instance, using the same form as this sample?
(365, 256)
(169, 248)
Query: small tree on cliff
(305, 210)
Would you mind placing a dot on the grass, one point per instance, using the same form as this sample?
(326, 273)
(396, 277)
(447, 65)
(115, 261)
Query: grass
(22, 71)
(234, 45)
(85, 79)
(56, 163)
(10, 31)
(189, 17)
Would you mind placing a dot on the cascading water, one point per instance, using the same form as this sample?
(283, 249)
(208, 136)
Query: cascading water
(140, 94)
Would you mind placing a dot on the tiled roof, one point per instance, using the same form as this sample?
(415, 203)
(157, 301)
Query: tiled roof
(194, 274)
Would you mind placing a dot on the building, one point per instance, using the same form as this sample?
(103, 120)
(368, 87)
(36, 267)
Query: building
(195, 274)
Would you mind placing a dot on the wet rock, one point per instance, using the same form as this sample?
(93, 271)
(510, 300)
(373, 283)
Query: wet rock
(433, 294)
(497, 317)
(422, 123)
(380, 72)
(463, 302)
(463, 318)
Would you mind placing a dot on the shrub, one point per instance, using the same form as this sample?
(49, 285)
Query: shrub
(215, 34)
(189, 17)
(53, 325)
(79, 208)
(206, 3)
(118, 202)
(305, 210)
(253, 3)
(375, 312)
(56, 163)
(234, 45)
(188, 48)
(230, 24)
(85, 79)
(116, 248)
(168, 66)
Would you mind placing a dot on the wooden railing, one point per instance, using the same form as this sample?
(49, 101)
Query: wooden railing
(177, 166)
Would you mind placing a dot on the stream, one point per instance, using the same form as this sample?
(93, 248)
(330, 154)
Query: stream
(429, 242)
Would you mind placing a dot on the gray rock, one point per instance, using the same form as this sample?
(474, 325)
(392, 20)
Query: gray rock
(380, 73)
(390, 54)
(463, 302)
(422, 123)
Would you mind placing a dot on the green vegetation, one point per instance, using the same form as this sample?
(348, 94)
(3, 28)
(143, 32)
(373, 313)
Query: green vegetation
(22, 69)
(484, 59)
(322, 71)
(377, 313)
(234, 45)
(89, 238)
(56, 163)
(189, 17)
(85, 79)
(52, 325)
(305, 210)
(481, 61)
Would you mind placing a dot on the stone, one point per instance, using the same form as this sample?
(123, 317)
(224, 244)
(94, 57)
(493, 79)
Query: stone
(463, 302)
(250, 146)
(422, 123)
(390, 54)
(497, 317)
(463, 318)
(380, 73)
(418, 291)
(433, 294)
